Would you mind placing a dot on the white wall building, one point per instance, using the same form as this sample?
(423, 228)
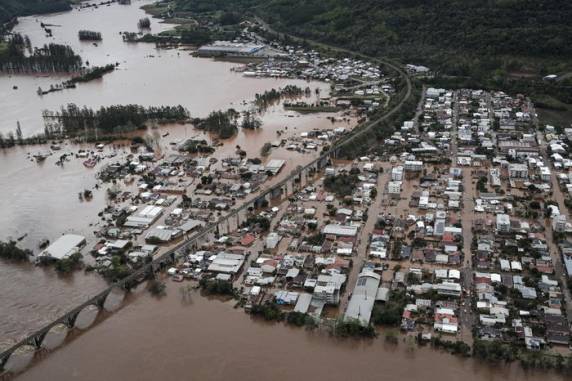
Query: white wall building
(503, 223)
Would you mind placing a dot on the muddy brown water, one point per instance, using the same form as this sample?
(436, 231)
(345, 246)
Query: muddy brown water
(41, 200)
(172, 339)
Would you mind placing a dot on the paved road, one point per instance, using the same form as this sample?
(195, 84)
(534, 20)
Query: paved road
(363, 238)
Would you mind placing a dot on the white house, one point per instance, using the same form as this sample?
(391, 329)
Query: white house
(518, 171)
(503, 223)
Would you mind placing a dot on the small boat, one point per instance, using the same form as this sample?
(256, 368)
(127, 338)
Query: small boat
(90, 163)
(55, 147)
(40, 157)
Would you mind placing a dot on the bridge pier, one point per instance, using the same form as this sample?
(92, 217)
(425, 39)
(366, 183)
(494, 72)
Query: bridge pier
(303, 178)
(322, 163)
(19, 359)
(55, 337)
(86, 317)
(113, 300)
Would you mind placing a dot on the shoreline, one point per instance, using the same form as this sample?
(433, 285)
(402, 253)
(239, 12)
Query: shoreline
(525, 359)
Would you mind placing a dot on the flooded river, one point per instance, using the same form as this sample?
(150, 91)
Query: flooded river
(150, 338)
(169, 339)
(40, 201)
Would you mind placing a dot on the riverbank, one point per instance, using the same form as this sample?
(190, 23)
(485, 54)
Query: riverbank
(203, 332)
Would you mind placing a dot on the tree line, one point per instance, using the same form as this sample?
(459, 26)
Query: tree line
(47, 59)
(271, 97)
(224, 124)
(73, 120)
(89, 35)
(14, 8)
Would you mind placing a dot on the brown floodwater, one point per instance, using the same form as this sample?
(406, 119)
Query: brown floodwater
(172, 339)
(40, 201)
(166, 339)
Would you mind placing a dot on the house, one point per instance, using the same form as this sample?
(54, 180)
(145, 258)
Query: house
(503, 223)
(272, 240)
(328, 287)
(275, 165)
(559, 223)
(394, 189)
(413, 166)
(445, 321)
(397, 173)
(545, 174)
(518, 171)
(448, 289)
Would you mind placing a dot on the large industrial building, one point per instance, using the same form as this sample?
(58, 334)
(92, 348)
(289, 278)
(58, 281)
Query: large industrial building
(228, 48)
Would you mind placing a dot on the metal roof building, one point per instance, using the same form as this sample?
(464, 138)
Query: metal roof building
(340, 230)
(227, 263)
(363, 297)
(64, 246)
(275, 165)
(227, 48)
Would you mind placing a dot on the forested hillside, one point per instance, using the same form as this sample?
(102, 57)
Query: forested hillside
(12, 8)
(427, 29)
(504, 44)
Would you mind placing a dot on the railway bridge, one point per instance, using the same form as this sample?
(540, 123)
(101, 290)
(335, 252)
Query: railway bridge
(16, 357)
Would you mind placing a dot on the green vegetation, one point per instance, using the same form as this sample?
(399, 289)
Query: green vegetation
(498, 44)
(370, 138)
(373, 193)
(224, 124)
(69, 264)
(196, 146)
(156, 287)
(482, 184)
(118, 269)
(353, 328)
(454, 347)
(14, 8)
(217, 287)
(144, 23)
(493, 351)
(260, 222)
(390, 312)
(19, 57)
(94, 73)
(265, 150)
(89, 35)
(273, 96)
(342, 185)
(250, 121)
(268, 311)
(316, 239)
(72, 120)
(9, 250)
(300, 320)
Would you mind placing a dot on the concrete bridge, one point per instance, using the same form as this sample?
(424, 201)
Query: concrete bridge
(18, 356)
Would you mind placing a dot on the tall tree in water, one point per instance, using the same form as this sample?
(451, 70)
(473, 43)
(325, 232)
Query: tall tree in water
(19, 135)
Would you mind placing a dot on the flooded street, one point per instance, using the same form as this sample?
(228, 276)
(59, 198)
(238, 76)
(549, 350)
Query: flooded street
(205, 339)
(181, 335)
(40, 201)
